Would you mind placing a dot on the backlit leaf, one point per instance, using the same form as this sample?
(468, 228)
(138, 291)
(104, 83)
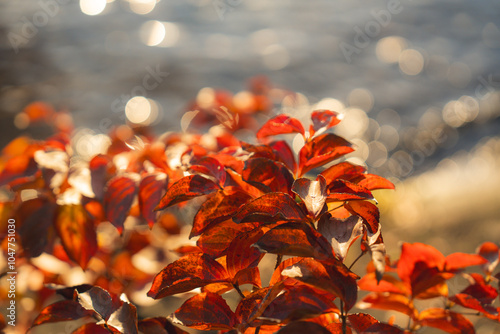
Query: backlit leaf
(342, 190)
(98, 300)
(343, 170)
(323, 120)
(185, 189)
(151, 189)
(457, 261)
(295, 239)
(190, 271)
(216, 239)
(277, 206)
(205, 311)
(285, 154)
(124, 319)
(373, 182)
(280, 124)
(365, 323)
(17, 167)
(448, 321)
(98, 166)
(77, 232)
(211, 167)
(118, 199)
(241, 254)
(388, 301)
(366, 210)
(321, 150)
(312, 193)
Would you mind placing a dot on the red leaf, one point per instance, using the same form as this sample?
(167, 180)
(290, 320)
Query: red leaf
(295, 239)
(373, 182)
(285, 154)
(205, 311)
(158, 325)
(118, 199)
(124, 319)
(388, 301)
(211, 167)
(446, 320)
(268, 175)
(272, 205)
(480, 290)
(312, 193)
(303, 327)
(388, 283)
(277, 276)
(190, 271)
(77, 233)
(63, 310)
(323, 120)
(365, 323)
(366, 210)
(280, 124)
(341, 233)
(98, 167)
(341, 191)
(321, 150)
(185, 189)
(457, 261)
(17, 167)
(343, 170)
(332, 277)
(218, 208)
(151, 189)
(216, 239)
(241, 254)
(491, 253)
(470, 302)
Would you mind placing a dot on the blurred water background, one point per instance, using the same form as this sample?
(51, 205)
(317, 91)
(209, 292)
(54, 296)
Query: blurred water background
(417, 82)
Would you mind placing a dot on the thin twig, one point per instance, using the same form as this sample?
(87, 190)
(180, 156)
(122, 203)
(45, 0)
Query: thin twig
(237, 288)
(279, 258)
(356, 260)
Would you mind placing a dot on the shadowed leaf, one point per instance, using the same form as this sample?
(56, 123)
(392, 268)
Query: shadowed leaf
(343, 170)
(268, 175)
(216, 239)
(366, 210)
(124, 319)
(98, 300)
(151, 189)
(158, 325)
(323, 120)
(64, 310)
(91, 328)
(211, 167)
(273, 206)
(312, 193)
(118, 199)
(303, 327)
(341, 232)
(342, 190)
(285, 154)
(241, 254)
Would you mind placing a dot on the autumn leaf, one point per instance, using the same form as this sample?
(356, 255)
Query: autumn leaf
(295, 239)
(285, 154)
(270, 207)
(446, 320)
(185, 189)
(17, 167)
(205, 311)
(388, 283)
(77, 232)
(342, 191)
(191, 271)
(341, 233)
(91, 328)
(241, 254)
(151, 190)
(312, 193)
(98, 166)
(367, 211)
(303, 327)
(124, 319)
(278, 125)
(388, 301)
(491, 253)
(98, 300)
(158, 325)
(343, 170)
(268, 175)
(210, 167)
(323, 120)
(118, 199)
(321, 150)
(217, 208)
(365, 323)
(63, 310)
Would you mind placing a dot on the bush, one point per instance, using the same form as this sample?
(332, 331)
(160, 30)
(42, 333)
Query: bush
(251, 199)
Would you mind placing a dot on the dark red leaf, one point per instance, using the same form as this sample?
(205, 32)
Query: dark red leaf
(205, 311)
(272, 205)
(217, 208)
(151, 190)
(77, 232)
(470, 302)
(241, 254)
(98, 300)
(366, 210)
(17, 167)
(446, 320)
(343, 170)
(295, 239)
(211, 167)
(280, 124)
(98, 168)
(190, 271)
(321, 150)
(216, 239)
(303, 327)
(285, 154)
(124, 319)
(341, 191)
(341, 233)
(91, 328)
(323, 120)
(118, 199)
(480, 290)
(365, 323)
(312, 193)
(331, 276)
(185, 189)
(63, 310)
(158, 325)
(268, 175)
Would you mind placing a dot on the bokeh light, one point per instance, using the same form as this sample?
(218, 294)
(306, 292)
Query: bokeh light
(156, 33)
(389, 49)
(92, 7)
(411, 62)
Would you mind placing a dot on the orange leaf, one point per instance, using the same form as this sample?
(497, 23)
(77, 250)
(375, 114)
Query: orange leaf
(491, 253)
(285, 154)
(366, 210)
(446, 320)
(151, 190)
(210, 167)
(77, 233)
(321, 150)
(205, 311)
(388, 301)
(191, 271)
(343, 170)
(280, 124)
(185, 189)
(457, 261)
(118, 199)
(91, 328)
(269, 208)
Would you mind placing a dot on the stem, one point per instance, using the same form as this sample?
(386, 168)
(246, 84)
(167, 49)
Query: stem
(237, 288)
(279, 258)
(343, 317)
(356, 260)
(257, 330)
